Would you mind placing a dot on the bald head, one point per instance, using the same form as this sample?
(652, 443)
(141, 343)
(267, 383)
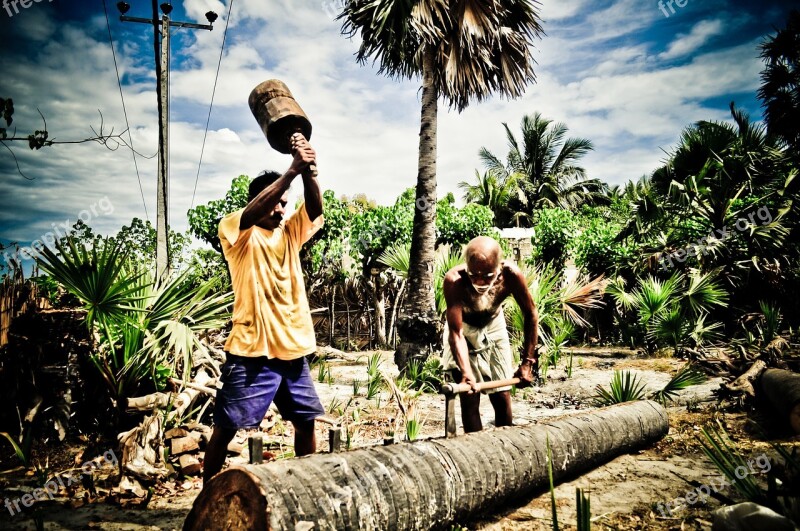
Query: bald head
(483, 253)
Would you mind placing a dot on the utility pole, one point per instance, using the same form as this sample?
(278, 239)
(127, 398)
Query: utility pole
(161, 34)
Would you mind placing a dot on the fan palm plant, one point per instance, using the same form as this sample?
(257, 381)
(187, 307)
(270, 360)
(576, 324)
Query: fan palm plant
(143, 331)
(398, 257)
(673, 311)
(559, 303)
(462, 50)
(625, 387)
(686, 377)
(716, 178)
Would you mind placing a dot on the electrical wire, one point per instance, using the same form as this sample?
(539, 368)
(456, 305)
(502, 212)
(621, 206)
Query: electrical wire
(211, 105)
(125, 111)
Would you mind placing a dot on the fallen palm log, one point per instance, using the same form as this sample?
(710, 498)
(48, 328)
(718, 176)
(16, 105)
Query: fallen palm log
(422, 485)
(782, 390)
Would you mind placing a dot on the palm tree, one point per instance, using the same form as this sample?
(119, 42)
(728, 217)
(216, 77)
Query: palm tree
(719, 173)
(545, 166)
(462, 50)
(494, 192)
(780, 82)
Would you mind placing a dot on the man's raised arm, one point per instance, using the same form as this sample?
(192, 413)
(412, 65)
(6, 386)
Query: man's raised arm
(263, 204)
(312, 194)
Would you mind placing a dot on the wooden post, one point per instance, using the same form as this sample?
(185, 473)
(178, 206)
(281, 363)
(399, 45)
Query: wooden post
(449, 415)
(334, 439)
(334, 432)
(450, 391)
(162, 183)
(255, 445)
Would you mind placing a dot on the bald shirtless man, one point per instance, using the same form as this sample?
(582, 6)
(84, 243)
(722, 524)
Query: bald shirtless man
(476, 343)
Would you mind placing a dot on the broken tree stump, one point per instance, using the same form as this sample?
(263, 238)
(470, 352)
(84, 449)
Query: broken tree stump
(421, 485)
(782, 390)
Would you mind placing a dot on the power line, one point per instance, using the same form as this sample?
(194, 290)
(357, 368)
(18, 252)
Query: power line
(211, 105)
(125, 112)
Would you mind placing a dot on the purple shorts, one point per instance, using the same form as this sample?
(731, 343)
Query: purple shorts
(251, 384)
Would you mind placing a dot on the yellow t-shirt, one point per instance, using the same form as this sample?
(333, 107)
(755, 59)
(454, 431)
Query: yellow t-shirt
(271, 316)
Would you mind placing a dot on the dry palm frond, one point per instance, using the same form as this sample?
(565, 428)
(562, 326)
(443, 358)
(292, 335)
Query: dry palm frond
(582, 293)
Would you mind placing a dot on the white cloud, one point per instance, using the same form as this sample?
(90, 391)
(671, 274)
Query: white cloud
(551, 11)
(597, 73)
(701, 33)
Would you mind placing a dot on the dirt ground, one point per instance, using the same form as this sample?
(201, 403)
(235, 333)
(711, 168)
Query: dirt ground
(624, 492)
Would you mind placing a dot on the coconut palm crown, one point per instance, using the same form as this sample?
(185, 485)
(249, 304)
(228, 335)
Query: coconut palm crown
(477, 48)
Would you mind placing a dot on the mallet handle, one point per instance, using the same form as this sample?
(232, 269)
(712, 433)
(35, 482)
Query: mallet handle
(458, 388)
(312, 167)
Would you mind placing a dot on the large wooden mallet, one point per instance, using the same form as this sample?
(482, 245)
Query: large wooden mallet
(279, 116)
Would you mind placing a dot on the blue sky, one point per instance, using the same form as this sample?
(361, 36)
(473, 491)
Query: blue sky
(619, 72)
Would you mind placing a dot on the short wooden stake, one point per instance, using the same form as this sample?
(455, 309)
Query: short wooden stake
(256, 446)
(335, 439)
(449, 415)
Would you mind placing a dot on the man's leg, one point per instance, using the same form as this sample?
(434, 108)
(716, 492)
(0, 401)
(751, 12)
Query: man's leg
(298, 402)
(470, 412)
(501, 401)
(305, 437)
(216, 450)
(248, 386)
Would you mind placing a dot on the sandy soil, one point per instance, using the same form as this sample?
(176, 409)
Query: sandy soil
(624, 492)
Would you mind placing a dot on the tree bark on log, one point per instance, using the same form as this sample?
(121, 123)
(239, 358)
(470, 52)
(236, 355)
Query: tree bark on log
(421, 485)
(782, 389)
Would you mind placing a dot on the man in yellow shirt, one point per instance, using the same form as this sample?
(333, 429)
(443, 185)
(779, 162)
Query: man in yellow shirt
(272, 328)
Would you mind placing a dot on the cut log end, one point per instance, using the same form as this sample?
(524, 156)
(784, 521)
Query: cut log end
(782, 390)
(232, 501)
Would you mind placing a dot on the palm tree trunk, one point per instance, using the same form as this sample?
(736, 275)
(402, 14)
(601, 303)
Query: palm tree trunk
(392, 336)
(427, 484)
(379, 300)
(419, 326)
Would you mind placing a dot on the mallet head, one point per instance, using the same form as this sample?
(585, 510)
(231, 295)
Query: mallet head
(278, 114)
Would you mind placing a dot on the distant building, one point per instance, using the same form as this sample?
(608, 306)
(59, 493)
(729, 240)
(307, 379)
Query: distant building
(519, 239)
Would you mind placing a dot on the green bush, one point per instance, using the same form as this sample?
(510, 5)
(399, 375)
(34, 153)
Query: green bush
(596, 250)
(554, 234)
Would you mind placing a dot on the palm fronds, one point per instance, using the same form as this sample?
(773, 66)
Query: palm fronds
(686, 377)
(99, 277)
(398, 257)
(703, 292)
(624, 387)
(653, 296)
(446, 259)
(558, 303)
